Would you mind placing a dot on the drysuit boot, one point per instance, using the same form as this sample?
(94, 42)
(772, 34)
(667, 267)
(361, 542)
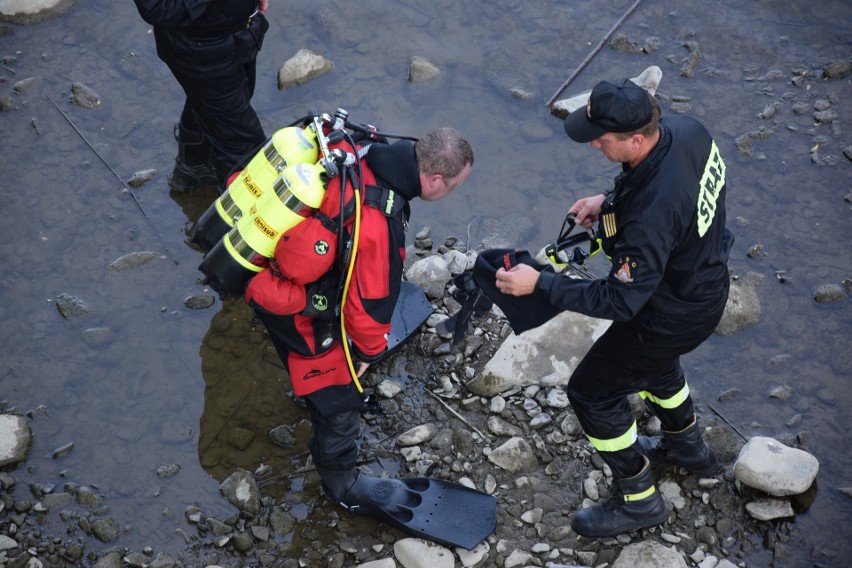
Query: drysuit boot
(363, 494)
(635, 505)
(685, 449)
(194, 163)
(336, 483)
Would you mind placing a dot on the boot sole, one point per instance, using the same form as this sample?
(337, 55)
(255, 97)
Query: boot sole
(654, 522)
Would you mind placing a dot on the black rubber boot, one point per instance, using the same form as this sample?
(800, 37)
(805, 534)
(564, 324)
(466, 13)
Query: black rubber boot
(194, 163)
(685, 449)
(636, 505)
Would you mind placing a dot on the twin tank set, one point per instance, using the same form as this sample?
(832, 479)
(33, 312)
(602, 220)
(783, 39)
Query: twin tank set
(282, 184)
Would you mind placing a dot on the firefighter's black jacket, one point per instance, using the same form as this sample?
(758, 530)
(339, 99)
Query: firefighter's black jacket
(663, 227)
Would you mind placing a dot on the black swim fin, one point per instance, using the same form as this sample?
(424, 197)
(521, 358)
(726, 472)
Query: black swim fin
(411, 311)
(433, 509)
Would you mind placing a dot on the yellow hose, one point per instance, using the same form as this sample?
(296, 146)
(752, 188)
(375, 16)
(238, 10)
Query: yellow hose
(356, 230)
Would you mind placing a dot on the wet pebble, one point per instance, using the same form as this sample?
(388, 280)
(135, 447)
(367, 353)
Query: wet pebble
(199, 301)
(141, 177)
(84, 97)
(71, 306)
(781, 392)
(98, 336)
(63, 451)
(133, 260)
(828, 293)
(168, 470)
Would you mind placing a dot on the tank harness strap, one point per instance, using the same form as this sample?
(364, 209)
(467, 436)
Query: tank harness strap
(385, 200)
(327, 222)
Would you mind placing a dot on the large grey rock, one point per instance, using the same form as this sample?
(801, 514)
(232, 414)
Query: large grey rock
(421, 69)
(241, 491)
(515, 455)
(301, 68)
(551, 351)
(743, 307)
(24, 12)
(770, 466)
(16, 439)
(431, 274)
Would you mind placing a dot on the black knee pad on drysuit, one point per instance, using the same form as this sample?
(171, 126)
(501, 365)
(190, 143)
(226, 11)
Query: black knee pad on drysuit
(523, 312)
(335, 416)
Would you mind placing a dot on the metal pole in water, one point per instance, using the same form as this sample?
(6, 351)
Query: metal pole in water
(593, 53)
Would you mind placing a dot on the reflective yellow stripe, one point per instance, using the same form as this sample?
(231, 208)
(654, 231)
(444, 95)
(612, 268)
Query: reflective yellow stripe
(710, 186)
(672, 402)
(639, 496)
(615, 444)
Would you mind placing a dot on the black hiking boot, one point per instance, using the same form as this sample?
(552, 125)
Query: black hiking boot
(635, 505)
(685, 449)
(194, 163)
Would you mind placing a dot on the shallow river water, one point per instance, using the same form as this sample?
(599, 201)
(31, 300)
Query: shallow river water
(169, 378)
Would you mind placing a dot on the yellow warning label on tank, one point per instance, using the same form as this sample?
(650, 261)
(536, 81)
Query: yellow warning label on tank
(252, 187)
(264, 228)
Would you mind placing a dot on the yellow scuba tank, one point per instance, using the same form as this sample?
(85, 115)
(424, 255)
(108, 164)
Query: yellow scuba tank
(287, 146)
(245, 249)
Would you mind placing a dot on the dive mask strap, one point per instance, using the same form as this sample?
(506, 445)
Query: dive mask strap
(566, 240)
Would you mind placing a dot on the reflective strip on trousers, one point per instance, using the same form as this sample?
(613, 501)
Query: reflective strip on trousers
(668, 403)
(616, 444)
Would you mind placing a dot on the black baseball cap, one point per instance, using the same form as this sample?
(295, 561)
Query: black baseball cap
(611, 108)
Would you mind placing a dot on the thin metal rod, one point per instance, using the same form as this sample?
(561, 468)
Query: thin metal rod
(594, 52)
(459, 416)
(728, 422)
(92, 148)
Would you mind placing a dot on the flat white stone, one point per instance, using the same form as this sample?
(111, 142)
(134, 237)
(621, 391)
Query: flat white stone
(419, 553)
(770, 466)
(770, 508)
(649, 79)
(15, 439)
(32, 11)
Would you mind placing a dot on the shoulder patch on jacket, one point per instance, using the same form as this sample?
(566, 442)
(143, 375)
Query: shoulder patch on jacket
(626, 270)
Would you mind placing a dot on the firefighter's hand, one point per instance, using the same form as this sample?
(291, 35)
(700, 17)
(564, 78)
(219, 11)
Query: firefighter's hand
(519, 281)
(588, 209)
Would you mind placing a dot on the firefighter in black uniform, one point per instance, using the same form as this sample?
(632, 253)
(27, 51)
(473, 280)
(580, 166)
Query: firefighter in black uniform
(663, 227)
(211, 49)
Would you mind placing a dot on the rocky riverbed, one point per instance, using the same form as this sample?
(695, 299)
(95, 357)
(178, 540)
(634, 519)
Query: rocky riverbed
(776, 100)
(523, 445)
